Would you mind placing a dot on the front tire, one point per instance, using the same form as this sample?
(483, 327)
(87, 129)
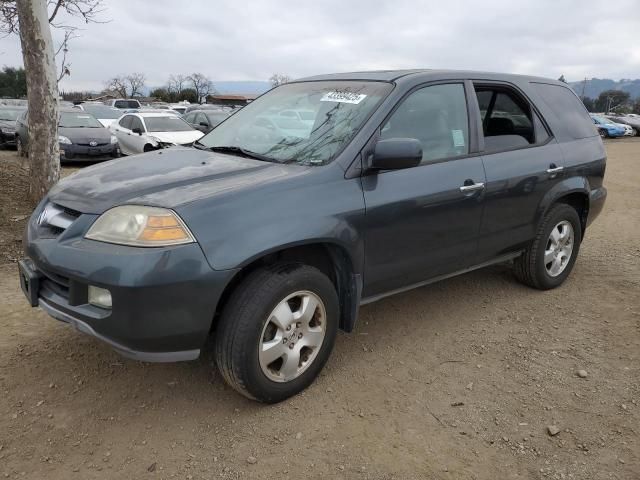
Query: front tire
(277, 331)
(548, 261)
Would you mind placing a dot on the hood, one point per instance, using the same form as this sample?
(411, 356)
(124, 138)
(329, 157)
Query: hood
(106, 121)
(85, 135)
(165, 178)
(8, 124)
(177, 137)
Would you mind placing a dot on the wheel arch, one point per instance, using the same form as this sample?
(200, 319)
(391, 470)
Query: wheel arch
(330, 257)
(574, 192)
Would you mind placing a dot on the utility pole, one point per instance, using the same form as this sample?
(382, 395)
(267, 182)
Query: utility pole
(42, 93)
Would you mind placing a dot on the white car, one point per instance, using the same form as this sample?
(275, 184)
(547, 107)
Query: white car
(105, 115)
(144, 132)
(123, 103)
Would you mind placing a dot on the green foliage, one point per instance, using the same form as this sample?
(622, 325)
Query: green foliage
(562, 79)
(168, 96)
(588, 103)
(636, 107)
(611, 100)
(13, 82)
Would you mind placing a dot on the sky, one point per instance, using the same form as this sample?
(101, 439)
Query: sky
(251, 40)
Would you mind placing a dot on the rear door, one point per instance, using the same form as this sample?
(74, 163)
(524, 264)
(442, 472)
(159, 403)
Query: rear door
(423, 222)
(522, 162)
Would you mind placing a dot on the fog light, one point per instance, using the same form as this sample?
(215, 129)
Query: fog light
(100, 297)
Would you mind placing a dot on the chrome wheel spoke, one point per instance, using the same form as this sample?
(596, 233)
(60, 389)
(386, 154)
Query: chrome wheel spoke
(289, 369)
(312, 338)
(555, 236)
(307, 309)
(282, 316)
(549, 255)
(272, 351)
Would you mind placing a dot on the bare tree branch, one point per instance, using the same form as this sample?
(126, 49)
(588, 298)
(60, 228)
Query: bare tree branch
(88, 11)
(201, 84)
(278, 79)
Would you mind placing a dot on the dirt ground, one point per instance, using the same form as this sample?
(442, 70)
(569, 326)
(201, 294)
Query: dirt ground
(458, 380)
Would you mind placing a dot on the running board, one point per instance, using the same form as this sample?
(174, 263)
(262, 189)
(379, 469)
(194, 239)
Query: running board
(500, 259)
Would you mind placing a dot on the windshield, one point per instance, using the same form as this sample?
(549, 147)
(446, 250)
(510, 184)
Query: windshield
(338, 108)
(601, 120)
(101, 111)
(78, 120)
(6, 114)
(166, 124)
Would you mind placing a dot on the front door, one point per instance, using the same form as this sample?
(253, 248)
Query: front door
(423, 222)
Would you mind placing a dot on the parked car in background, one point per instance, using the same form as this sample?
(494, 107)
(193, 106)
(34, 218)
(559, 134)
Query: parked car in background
(629, 120)
(179, 107)
(124, 103)
(8, 117)
(205, 120)
(147, 131)
(606, 127)
(81, 137)
(272, 243)
(105, 115)
(208, 106)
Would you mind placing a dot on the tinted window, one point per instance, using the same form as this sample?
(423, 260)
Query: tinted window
(437, 117)
(167, 124)
(126, 104)
(507, 118)
(200, 118)
(189, 117)
(216, 117)
(7, 114)
(125, 122)
(568, 108)
(137, 123)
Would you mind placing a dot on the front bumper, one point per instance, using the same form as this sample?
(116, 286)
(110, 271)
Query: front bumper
(86, 152)
(164, 299)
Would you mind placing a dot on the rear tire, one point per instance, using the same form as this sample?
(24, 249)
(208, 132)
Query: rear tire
(548, 261)
(262, 351)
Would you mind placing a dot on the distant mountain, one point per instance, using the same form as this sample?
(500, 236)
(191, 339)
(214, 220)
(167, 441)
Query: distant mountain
(595, 86)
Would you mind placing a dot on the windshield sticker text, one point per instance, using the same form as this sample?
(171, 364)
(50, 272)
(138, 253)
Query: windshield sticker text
(343, 97)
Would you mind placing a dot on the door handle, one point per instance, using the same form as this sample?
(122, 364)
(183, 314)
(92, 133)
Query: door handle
(552, 169)
(472, 188)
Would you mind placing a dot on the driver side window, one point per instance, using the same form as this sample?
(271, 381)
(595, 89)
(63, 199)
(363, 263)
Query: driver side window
(437, 117)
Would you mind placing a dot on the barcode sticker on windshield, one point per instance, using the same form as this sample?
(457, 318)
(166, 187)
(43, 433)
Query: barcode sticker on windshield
(343, 97)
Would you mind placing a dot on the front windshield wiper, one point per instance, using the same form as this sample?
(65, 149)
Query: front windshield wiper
(239, 151)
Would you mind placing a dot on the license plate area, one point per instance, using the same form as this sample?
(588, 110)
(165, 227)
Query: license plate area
(29, 282)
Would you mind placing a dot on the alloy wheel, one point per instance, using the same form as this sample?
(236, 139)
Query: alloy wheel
(292, 336)
(559, 248)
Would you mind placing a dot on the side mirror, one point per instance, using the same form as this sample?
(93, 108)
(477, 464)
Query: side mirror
(204, 124)
(396, 153)
(137, 130)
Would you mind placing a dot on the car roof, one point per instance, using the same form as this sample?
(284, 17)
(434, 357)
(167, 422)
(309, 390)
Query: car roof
(422, 74)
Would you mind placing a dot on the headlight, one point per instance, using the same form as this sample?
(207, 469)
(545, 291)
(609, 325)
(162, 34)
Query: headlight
(113, 139)
(63, 139)
(140, 226)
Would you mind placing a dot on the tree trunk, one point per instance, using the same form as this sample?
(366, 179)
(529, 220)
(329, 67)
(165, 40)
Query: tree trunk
(42, 92)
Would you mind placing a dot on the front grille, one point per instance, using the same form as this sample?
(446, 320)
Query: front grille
(55, 219)
(98, 144)
(55, 282)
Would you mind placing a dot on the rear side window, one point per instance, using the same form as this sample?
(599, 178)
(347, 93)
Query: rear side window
(568, 108)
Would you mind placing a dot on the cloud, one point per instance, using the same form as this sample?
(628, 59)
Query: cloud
(250, 40)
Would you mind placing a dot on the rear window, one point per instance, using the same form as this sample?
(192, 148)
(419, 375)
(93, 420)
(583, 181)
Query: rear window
(568, 108)
(126, 104)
